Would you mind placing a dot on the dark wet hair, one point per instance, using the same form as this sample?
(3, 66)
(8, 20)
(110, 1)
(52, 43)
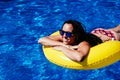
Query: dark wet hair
(81, 34)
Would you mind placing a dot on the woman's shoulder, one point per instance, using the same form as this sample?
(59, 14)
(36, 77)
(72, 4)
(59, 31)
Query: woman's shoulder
(84, 47)
(84, 43)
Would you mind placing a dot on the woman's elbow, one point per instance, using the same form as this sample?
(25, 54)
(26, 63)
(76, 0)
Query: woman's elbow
(40, 40)
(79, 58)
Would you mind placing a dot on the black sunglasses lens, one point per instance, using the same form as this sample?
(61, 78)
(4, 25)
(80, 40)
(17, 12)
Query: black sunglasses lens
(62, 32)
(68, 34)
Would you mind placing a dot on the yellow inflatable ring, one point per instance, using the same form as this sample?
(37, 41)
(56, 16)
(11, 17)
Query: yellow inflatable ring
(100, 56)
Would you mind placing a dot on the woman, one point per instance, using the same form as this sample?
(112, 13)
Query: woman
(75, 43)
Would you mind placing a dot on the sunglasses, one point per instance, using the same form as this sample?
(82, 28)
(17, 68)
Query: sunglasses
(67, 34)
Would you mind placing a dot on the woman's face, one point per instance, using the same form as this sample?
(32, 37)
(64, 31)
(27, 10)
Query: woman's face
(68, 40)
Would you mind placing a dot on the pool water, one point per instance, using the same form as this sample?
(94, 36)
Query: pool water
(23, 22)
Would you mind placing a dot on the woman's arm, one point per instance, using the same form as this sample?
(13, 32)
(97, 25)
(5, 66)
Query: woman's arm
(51, 41)
(75, 55)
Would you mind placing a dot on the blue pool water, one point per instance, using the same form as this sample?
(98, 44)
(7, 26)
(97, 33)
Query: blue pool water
(23, 22)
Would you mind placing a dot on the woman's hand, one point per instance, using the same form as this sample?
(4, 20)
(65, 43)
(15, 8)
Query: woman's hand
(74, 47)
(59, 48)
